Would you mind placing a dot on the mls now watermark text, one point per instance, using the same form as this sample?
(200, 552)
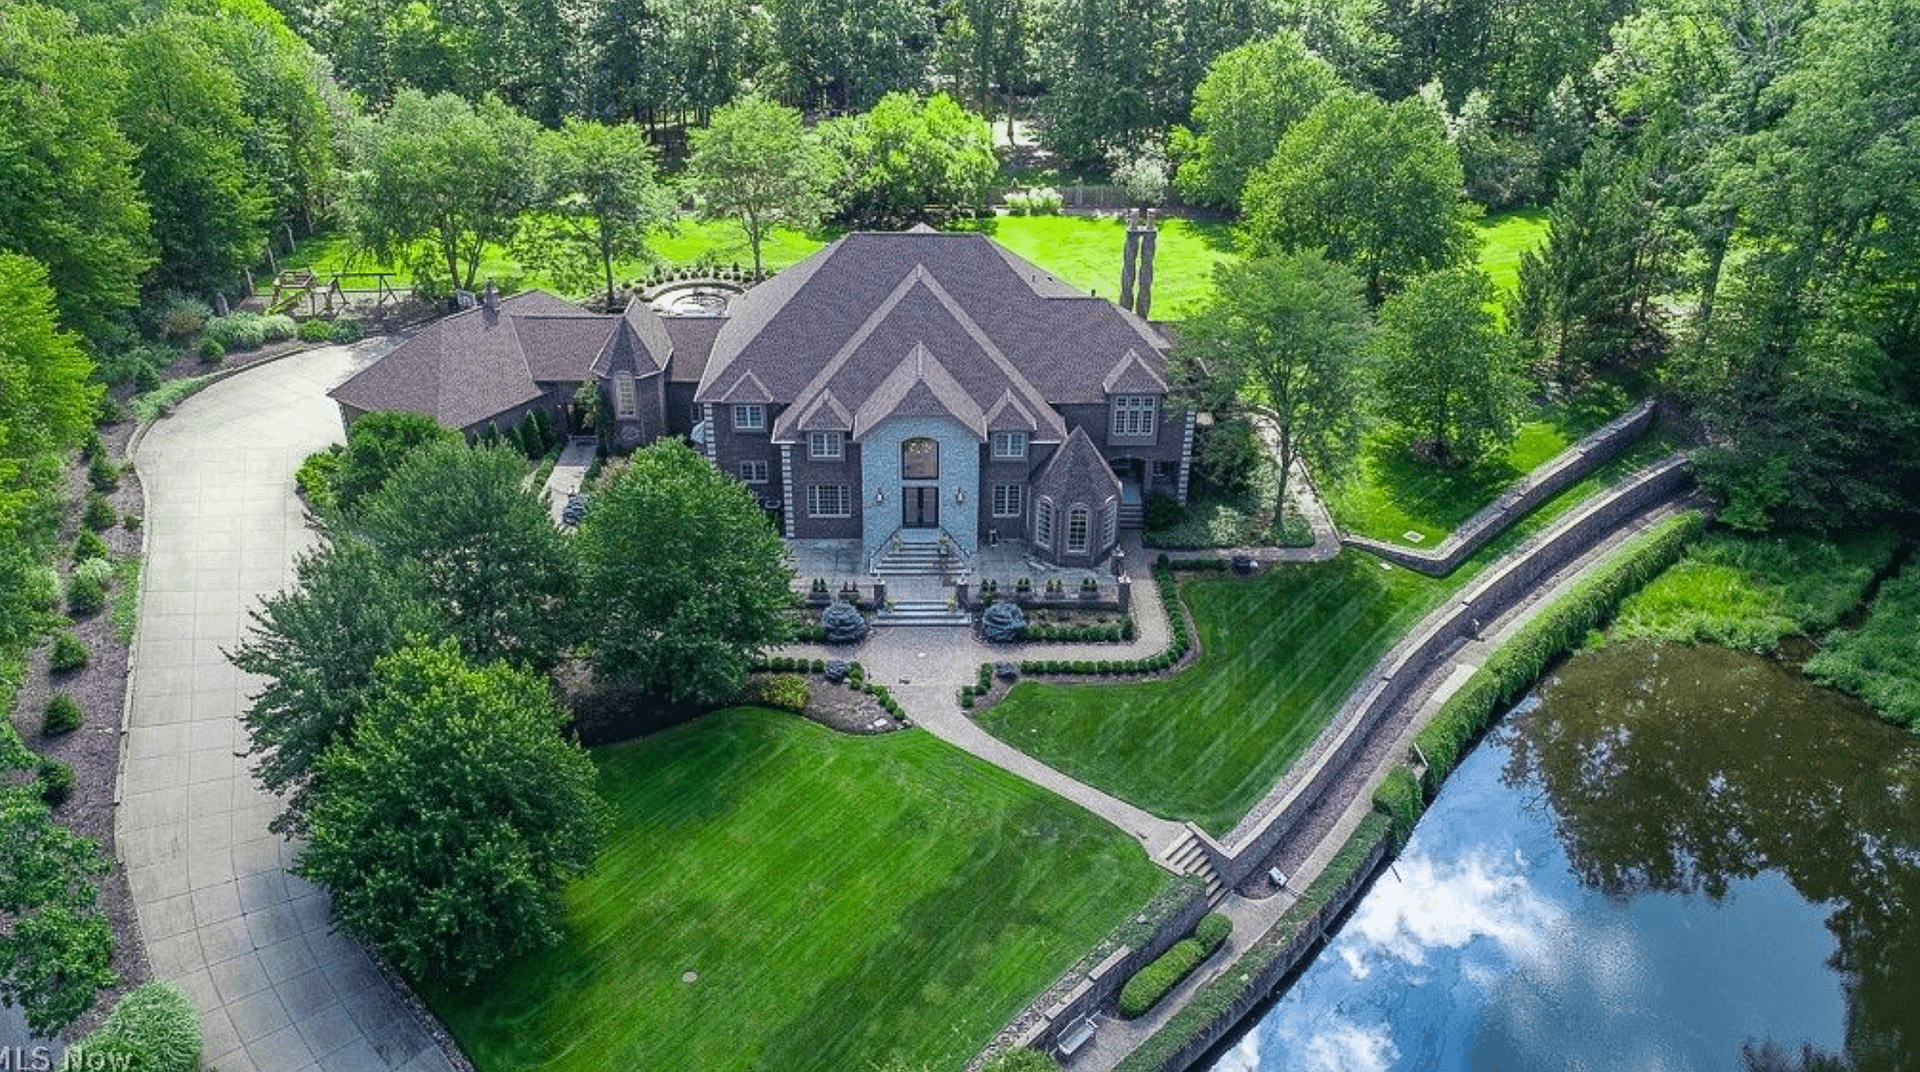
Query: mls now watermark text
(41, 1059)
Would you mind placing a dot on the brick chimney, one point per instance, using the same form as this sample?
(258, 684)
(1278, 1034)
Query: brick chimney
(1143, 299)
(1136, 263)
(1128, 256)
(490, 298)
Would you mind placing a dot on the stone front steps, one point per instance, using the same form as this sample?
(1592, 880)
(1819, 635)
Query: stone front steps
(922, 612)
(916, 559)
(1189, 858)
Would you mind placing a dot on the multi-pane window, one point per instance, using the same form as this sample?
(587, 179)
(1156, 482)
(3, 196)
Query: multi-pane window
(753, 472)
(829, 500)
(1010, 445)
(749, 417)
(1077, 531)
(1043, 523)
(824, 445)
(1008, 499)
(624, 405)
(1112, 512)
(1133, 416)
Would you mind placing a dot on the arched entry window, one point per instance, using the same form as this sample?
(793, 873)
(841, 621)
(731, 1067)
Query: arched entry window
(920, 459)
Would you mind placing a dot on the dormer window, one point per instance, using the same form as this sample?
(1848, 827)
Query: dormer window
(828, 445)
(749, 418)
(1133, 416)
(1009, 446)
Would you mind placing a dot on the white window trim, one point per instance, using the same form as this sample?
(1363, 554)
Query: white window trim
(833, 440)
(626, 402)
(1134, 417)
(1043, 523)
(1017, 496)
(749, 467)
(1111, 514)
(844, 503)
(749, 417)
(1078, 511)
(1018, 441)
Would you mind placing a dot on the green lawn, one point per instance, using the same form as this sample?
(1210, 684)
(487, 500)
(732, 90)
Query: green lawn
(1278, 656)
(1391, 492)
(1085, 251)
(846, 902)
(1503, 238)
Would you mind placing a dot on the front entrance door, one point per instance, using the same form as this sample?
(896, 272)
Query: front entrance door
(921, 506)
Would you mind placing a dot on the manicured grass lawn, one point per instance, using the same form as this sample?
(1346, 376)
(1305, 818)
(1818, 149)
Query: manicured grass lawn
(1503, 238)
(846, 902)
(1085, 251)
(1278, 656)
(1391, 492)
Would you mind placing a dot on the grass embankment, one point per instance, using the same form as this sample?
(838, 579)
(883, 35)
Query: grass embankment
(1391, 492)
(1752, 592)
(1279, 654)
(1880, 661)
(845, 901)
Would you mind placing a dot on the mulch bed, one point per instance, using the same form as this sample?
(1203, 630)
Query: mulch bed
(841, 707)
(94, 749)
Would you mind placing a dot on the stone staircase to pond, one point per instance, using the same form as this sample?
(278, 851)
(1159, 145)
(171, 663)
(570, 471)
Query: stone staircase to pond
(1189, 857)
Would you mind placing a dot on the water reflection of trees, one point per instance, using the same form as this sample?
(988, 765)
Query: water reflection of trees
(1680, 770)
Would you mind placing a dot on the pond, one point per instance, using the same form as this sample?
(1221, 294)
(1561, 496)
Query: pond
(1669, 859)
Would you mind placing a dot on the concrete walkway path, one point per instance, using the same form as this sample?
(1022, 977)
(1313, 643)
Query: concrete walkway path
(277, 989)
(568, 474)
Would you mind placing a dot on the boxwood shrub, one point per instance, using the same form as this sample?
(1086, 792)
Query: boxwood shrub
(100, 515)
(56, 785)
(69, 653)
(1155, 981)
(316, 331)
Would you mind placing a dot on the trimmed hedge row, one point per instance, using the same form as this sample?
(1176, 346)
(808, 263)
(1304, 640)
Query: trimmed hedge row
(1176, 650)
(1046, 633)
(1219, 996)
(1399, 798)
(1556, 629)
(1151, 984)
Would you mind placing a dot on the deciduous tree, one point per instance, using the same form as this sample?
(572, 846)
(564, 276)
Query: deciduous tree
(442, 175)
(494, 566)
(448, 825)
(1375, 185)
(1443, 371)
(601, 197)
(685, 580)
(1248, 99)
(906, 155)
(758, 165)
(1289, 332)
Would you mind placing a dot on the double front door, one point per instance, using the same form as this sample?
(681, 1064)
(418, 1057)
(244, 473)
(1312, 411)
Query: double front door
(921, 508)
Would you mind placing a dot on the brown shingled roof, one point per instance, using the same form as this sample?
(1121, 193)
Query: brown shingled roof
(1060, 340)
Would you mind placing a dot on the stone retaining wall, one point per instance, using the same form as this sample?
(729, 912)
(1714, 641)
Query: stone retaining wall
(1570, 465)
(1275, 971)
(1082, 991)
(1267, 825)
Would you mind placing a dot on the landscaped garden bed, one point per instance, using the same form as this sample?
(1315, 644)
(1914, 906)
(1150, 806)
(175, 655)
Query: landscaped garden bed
(775, 895)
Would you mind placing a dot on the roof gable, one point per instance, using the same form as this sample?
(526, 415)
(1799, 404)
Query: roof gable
(747, 388)
(1077, 472)
(919, 386)
(1131, 376)
(825, 414)
(1008, 415)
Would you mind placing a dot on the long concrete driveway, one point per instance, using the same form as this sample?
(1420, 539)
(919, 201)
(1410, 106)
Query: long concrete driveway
(278, 991)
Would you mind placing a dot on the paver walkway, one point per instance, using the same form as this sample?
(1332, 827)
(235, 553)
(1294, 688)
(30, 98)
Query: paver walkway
(277, 990)
(569, 472)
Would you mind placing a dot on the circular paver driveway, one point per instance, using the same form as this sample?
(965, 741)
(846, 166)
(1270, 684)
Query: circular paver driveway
(277, 991)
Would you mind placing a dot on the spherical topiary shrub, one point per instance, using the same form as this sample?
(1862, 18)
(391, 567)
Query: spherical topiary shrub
(844, 623)
(1006, 671)
(836, 670)
(152, 1029)
(69, 653)
(1003, 623)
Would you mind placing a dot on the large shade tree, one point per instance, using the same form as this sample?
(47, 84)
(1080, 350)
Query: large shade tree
(757, 165)
(447, 827)
(1287, 335)
(908, 155)
(69, 196)
(685, 581)
(601, 196)
(1375, 185)
(1443, 371)
(1242, 108)
(439, 179)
